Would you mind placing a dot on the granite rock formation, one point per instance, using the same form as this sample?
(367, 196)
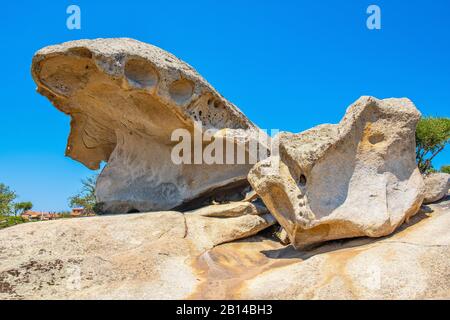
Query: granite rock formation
(356, 178)
(125, 99)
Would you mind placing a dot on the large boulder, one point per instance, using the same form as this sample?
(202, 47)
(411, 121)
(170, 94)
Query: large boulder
(125, 99)
(168, 255)
(356, 178)
(436, 186)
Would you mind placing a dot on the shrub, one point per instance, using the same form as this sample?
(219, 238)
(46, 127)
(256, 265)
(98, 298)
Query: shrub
(445, 169)
(86, 197)
(432, 135)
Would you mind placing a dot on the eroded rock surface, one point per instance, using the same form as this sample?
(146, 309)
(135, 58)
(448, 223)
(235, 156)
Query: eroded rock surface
(143, 256)
(437, 186)
(413, 263)
(125, 98)
(356, 178)
(168, 255)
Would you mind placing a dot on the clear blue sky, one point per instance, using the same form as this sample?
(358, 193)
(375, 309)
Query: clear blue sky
(287, 64)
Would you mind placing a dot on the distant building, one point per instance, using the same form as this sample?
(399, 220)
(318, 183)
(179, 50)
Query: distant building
(44, 216)
(77, 212)
(38, 215)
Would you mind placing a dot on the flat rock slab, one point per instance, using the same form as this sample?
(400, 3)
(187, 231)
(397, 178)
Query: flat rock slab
(135, 256)
(169, 255)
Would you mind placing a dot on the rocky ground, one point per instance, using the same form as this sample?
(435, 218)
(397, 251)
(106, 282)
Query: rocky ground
(170, 255)
(328, 188)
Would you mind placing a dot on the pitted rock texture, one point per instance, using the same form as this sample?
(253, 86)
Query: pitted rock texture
(437, 186)
(356, 178)
(125, 99)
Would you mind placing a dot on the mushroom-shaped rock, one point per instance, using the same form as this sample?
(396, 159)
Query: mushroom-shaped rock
(436, 186)
(126, 100)
(356, 178)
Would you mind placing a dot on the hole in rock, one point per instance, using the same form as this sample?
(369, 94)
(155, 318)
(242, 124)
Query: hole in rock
(235, 191)
(140, 73)
(218, 104)
(376, 138)
(65, 74)
(302, 180)
(181, 91)
(81, 52)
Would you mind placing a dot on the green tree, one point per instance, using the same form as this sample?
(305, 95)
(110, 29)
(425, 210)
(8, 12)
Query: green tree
(445, 169)
(9, 209)
(7, 197)
(21, 207)
(432, 135)
(86, 197)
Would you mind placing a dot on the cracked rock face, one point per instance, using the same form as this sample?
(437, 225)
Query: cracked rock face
(125, 98)
(436, 186)
(356, 178)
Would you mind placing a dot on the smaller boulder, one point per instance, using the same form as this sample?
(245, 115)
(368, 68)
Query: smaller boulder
(232, 209)
(352, 179)
(436, 186)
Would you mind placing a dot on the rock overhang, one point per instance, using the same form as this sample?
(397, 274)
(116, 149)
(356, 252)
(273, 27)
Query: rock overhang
(125, 99)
